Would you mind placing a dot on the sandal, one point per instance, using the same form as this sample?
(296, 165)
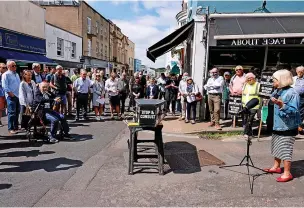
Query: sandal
(280, 179)
(269, 170)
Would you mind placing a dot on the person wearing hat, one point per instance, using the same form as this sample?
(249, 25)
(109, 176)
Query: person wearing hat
(250, 91)
(226, 92)
(214, 89)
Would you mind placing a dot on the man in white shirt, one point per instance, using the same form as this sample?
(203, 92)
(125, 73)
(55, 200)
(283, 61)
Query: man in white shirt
(214, 89)
(182, 89)
(81, 89)
(111, 87)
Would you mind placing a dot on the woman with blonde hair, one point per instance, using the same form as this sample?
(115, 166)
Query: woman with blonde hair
(286, 121)
(98, 93)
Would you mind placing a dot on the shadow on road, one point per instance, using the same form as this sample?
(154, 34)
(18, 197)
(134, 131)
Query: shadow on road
(297, 168)
(78, 138)
(182, 158)
(32, 153)
(5, 186)
(22, 144)
(52, 165)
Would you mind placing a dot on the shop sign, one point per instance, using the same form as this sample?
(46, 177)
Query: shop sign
(17, 41)
(261, 42)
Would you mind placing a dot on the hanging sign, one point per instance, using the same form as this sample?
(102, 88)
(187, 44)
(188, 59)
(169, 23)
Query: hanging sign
(266, 86)
(235, 105)
(261, 42)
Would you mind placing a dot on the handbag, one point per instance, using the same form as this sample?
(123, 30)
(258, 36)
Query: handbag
(198, 97)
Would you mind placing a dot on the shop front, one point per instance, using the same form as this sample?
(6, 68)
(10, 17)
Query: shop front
(90, 63)
(22, 49)
(256, 41)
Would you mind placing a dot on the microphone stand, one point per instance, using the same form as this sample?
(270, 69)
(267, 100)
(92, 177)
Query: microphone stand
(247, 161)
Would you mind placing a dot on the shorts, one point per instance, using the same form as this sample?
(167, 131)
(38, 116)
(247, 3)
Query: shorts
(114, 101)
(63, 99)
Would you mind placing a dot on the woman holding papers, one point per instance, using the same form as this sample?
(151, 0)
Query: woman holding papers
(191, 93)
(98, 97)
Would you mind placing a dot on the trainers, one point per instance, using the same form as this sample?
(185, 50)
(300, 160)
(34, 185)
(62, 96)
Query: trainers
(97, 118)
(186, 121)
(192, 122)
(53, 140)
(101, 118)
(181, 118)
(12, 132)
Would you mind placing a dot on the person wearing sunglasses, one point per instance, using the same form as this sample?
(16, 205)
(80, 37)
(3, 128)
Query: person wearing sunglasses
(10, 84)
(3, 69)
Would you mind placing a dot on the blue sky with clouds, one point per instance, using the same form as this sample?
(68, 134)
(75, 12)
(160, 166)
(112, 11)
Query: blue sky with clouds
(144, 22)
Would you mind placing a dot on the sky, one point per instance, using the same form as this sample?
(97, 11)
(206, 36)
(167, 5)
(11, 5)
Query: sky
(144, 22)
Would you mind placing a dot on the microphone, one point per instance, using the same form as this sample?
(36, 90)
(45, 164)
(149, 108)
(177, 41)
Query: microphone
(250, 104)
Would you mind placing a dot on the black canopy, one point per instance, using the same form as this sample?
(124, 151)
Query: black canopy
(169, 42)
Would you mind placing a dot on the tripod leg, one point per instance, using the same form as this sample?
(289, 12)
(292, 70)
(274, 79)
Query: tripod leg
(250, 182)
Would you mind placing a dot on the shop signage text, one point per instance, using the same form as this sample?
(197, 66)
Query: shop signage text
(261, 42)
(17, 41)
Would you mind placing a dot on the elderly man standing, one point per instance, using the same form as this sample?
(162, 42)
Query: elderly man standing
(214, 89)
(299, 87)
(60, 84)
(10, 84)
(250, 91)
(182, 88)
(3, 69)
(81, 91)
(123, 87)
(36, 76)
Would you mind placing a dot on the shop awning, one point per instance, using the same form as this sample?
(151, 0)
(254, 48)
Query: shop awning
(258, 26)
(169, 42)
(24, 57)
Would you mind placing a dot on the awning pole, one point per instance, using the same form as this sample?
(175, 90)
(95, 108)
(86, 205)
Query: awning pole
(265, 58)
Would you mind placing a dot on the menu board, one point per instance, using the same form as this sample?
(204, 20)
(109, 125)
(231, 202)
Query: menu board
(266, 86)
(235, 105)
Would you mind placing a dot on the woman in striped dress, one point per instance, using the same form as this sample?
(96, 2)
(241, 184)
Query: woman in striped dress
(286, 121)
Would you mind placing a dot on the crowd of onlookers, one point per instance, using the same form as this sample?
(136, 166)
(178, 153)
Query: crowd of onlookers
(84, 91)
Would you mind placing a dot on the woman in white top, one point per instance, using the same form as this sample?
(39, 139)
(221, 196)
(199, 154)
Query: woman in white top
(98, 94)
(27, 91)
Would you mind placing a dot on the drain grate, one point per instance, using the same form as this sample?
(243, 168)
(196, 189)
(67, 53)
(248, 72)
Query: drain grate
(207, 159)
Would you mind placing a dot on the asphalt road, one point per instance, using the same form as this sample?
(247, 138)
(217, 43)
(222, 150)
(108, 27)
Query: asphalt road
(27, 172)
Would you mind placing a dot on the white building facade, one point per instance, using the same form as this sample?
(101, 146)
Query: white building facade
(63, 47)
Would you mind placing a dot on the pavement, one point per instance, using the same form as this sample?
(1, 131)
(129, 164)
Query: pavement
(27, 172)
(103, 180)
(93, 171)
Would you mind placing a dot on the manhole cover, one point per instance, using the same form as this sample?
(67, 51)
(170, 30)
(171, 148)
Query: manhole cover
(206, 159)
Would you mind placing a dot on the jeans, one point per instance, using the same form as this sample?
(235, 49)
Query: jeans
(54, 118)
(193, 107)
(13, 109)
(123, 98)
(178, 105)
(173, 104)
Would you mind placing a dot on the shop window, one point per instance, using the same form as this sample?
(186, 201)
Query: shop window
(89, 47)
(60, 47)
(73, 53)
(89, 25)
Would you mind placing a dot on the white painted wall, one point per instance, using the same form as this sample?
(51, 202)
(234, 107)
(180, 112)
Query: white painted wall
(23, 16)
(52, 33)
(199, 53)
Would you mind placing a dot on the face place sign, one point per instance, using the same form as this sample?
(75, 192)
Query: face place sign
(261, 42)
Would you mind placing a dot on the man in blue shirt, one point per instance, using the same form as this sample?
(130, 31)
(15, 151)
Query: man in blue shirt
(50, 75)
(10, 84)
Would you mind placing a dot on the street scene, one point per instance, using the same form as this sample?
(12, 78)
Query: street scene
(151, 103)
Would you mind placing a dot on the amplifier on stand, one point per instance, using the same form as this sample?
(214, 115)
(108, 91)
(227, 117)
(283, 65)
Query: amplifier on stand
(149, 112)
